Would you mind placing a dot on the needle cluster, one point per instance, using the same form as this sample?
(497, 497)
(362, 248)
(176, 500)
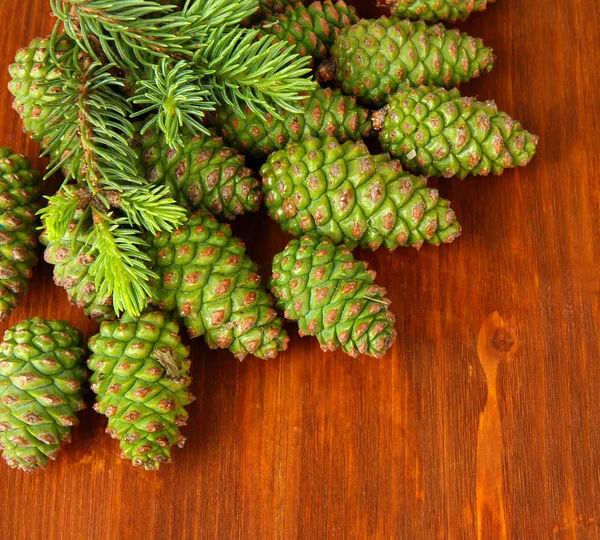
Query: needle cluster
(141, 58)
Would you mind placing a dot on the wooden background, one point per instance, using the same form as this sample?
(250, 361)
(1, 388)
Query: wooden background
(482, 422)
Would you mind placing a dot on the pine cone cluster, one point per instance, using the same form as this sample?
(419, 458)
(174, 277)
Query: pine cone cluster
(392, 80)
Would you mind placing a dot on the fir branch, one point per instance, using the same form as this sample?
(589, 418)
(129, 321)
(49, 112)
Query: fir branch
(241, 67)
(212, 14)
(59, 212)
(88, 128)
(135, 33)
(123, 32)
(203, 59)
(120, 267)
(88, 131)
(258, 72)
(174, 99)
(151, 208)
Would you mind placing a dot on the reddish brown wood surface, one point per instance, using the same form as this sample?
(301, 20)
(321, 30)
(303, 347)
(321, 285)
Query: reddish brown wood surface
(482, 422)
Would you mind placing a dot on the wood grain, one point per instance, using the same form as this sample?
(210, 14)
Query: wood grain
(456, 433)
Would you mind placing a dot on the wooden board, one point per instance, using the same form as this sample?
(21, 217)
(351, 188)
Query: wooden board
(482, 422)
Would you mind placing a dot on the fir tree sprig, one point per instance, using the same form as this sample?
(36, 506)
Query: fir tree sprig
(173, 98)
(211, 14)
(249, 70)
(88, 127)
(150, 208)
(122, 32)
(120, 268)
(60, 212)
(116, 244)
(183, 64)
(234, 65)
(88, 133)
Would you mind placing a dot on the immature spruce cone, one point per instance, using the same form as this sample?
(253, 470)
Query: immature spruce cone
(333, 297)
(343, 192)
(311, 30)
(325, 112)
(204, 273)
(20, 199)
(72, 261)
(269, 7)
(141, 378)
(435, 10)
(202, 174)
(31, 78)
(439, 133)
(42, 377)
(374, 58)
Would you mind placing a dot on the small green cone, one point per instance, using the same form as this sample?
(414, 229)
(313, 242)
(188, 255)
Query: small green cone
(42, 380)
(311, 30)
(333, 297)
(205, 275)
(325, 113)
(202, 174)
(375, 58)
(20, 199)
(140, 373)
(435, 10)
(439, 133)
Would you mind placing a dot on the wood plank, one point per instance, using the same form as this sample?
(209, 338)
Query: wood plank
(455, 433)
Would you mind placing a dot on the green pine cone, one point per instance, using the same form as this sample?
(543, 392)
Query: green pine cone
(439, 133)
(333, 297)
(204, 273)
(72, 263)
(141, 378)
(435, 10)
(42, 378)
(20, 199)
(269, 7)
(202, 174)
(344, 193)
(31, 76)
(311, 30)
(374, 58)
(326, 112)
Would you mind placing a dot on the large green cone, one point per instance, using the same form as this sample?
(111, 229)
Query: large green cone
(374, 58)
(435, 10)
(202, 174)
(325, 113)
(42, 378)
(439, 133)
(333, 297)
(204, 273)
(20, 199)
(311, 30)
(344, 193)
(141, 378)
